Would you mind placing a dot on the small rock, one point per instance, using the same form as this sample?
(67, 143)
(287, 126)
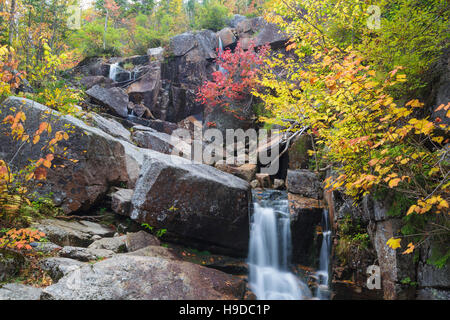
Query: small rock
(45, 247)
(72, 233)
(246, 171)
(58, 267)
(129, 277)
(264, 180)
(139, 240)
(254, 184)
(278, 184)
(84, 254)
(115, 244)
(227, 36)
(115, 99)
(17, 291)
(121, 201)
(96, 237)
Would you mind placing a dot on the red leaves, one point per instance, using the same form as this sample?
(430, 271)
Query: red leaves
(236, 78)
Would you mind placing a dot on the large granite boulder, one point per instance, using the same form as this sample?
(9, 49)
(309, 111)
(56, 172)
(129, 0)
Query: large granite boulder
(115, 99)
(196, 202)
(131, 277)
(306, 216)
(227, 37)
(161, 142)
(190, 64)
(100, 160)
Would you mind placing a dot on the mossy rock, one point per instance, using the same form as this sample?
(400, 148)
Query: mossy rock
(10, 263)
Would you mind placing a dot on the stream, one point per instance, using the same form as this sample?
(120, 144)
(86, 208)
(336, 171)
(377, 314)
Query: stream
(270, 277)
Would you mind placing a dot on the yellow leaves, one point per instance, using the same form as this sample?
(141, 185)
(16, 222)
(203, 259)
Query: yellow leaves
(412, 209)
(424, 206)
(415, 103)
(410, 248)
(401, 77)
(394, 182)
(394, 243)
(421, 126)
(433, 171)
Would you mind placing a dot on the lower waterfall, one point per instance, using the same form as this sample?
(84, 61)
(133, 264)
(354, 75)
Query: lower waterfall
(269, 250)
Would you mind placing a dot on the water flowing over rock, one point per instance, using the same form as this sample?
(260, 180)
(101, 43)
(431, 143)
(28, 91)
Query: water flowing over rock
(130, 277)
(324, 263)
(193, 201)
(270, 250)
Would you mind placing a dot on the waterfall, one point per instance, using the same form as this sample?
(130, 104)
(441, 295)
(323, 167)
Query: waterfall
(324, 262)
(269, 251)
(113, 71)
(220, 52)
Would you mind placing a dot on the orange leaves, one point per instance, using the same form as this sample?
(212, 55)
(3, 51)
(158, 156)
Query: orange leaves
(21, 238)
(40, 173)
(424, 206)
(48, 160)
(410, 248)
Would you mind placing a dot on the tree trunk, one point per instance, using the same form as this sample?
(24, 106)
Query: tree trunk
(11, 21)
(104, 32)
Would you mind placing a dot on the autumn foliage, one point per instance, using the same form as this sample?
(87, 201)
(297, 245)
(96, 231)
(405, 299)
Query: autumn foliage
(236, 78)
(375, 142)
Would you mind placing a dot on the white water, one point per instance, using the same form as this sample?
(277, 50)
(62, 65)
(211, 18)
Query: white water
(220, 52)
(113, 71)
(269, 253)
(324, 262)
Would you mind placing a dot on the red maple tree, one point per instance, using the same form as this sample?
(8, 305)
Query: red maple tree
(235, 79)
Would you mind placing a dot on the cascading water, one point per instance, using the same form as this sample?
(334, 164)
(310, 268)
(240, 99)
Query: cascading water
(324, 262)
(269, 250)
(222, 70)
(113, 71)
